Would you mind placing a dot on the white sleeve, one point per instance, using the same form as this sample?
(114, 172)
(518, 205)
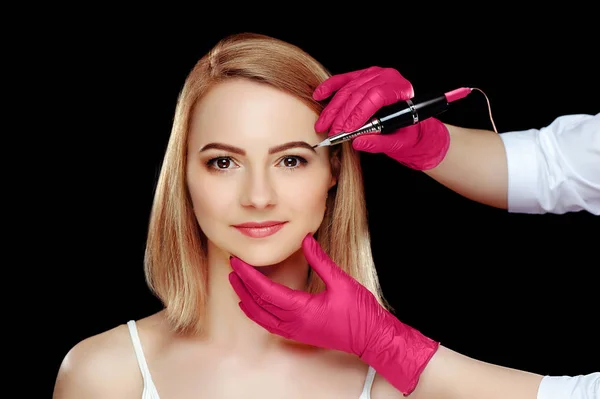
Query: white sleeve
(578, 387)
(555, 169)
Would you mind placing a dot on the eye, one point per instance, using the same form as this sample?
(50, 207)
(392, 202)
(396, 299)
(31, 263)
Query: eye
(292, 162)
(221, 163)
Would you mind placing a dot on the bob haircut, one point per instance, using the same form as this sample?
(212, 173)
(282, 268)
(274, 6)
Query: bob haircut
(175, 257)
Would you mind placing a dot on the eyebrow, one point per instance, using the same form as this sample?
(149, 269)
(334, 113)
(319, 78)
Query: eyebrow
(272, 150)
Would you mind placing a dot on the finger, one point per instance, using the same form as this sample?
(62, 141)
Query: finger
(369, 143)
(347, 109)
(338, 102)
(330, 112)
(240, 289)
(269, 291)
(270, 328)
(385, 143)
(370, 103)
(320, 262)
(251, 308)
(333, 84)
(249, 294)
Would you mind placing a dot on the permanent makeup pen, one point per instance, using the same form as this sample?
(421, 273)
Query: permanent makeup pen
(403, 113)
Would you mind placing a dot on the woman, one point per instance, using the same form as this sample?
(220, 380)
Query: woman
(239, 178)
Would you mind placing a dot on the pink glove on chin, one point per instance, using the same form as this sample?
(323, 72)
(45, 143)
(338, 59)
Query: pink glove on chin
(345, 317)
(360, 94)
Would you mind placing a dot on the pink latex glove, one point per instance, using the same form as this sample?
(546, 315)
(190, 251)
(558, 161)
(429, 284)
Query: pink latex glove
(345, 317)
(360, 94)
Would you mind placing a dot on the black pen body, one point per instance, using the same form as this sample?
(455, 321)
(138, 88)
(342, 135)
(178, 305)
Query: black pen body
(405, 113)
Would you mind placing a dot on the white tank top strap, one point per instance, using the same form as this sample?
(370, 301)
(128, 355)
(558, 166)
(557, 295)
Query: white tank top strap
(366, 392)
(149, 391)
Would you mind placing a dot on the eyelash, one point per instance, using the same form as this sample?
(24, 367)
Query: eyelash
(302, 162)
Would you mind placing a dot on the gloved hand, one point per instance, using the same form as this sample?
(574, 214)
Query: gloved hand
(360, 94)
(345, 317)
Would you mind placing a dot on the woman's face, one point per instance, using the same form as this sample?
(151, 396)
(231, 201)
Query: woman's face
(250, 163)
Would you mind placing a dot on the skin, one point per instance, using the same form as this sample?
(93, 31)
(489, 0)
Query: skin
(234, 357)
(475, 166)
(451, 375)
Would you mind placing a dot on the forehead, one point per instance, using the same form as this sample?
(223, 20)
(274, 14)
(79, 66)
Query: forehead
(239, 109)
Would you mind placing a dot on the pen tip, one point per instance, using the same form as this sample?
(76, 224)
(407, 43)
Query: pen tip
(321, 144)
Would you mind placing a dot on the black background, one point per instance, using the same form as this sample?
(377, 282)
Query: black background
(515, 290)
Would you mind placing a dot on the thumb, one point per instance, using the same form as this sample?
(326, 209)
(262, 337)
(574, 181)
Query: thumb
(386, 143)
(319, 261)
(372, 143)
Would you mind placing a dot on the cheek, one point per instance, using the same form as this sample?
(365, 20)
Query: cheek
(210, 196)
(305, 193)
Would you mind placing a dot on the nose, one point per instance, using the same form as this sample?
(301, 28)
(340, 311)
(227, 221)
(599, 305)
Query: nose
(258, 190)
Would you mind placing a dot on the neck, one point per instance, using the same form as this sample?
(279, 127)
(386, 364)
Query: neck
(226, 324)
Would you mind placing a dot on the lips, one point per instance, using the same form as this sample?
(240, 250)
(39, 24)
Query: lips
(259, 224)
(259, 229)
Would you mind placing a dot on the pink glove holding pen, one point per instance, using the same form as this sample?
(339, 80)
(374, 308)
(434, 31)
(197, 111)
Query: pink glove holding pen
(360, 94)
(345, 317)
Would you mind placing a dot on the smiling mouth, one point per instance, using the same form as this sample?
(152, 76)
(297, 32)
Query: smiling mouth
(260, 230)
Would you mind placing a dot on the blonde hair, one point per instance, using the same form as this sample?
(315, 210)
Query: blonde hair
(175, 257)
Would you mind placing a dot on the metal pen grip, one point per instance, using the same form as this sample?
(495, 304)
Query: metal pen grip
(374, 126)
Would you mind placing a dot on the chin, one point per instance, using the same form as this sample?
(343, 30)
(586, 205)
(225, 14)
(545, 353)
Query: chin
(267, 251)
(260, 260)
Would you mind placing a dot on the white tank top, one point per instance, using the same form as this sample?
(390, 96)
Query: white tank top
(150, 391)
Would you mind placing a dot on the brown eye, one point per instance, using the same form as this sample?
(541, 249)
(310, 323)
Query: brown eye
(223, 163)
(290, 162)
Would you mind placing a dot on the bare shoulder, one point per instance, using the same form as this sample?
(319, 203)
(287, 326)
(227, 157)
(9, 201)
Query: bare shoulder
(101, 366)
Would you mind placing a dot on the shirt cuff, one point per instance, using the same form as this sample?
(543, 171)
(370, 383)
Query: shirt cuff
(565, 387)
(523, 174)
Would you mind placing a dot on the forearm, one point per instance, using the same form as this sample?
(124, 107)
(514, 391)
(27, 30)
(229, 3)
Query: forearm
(549, 170)
(475, 166)
(450, 375)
